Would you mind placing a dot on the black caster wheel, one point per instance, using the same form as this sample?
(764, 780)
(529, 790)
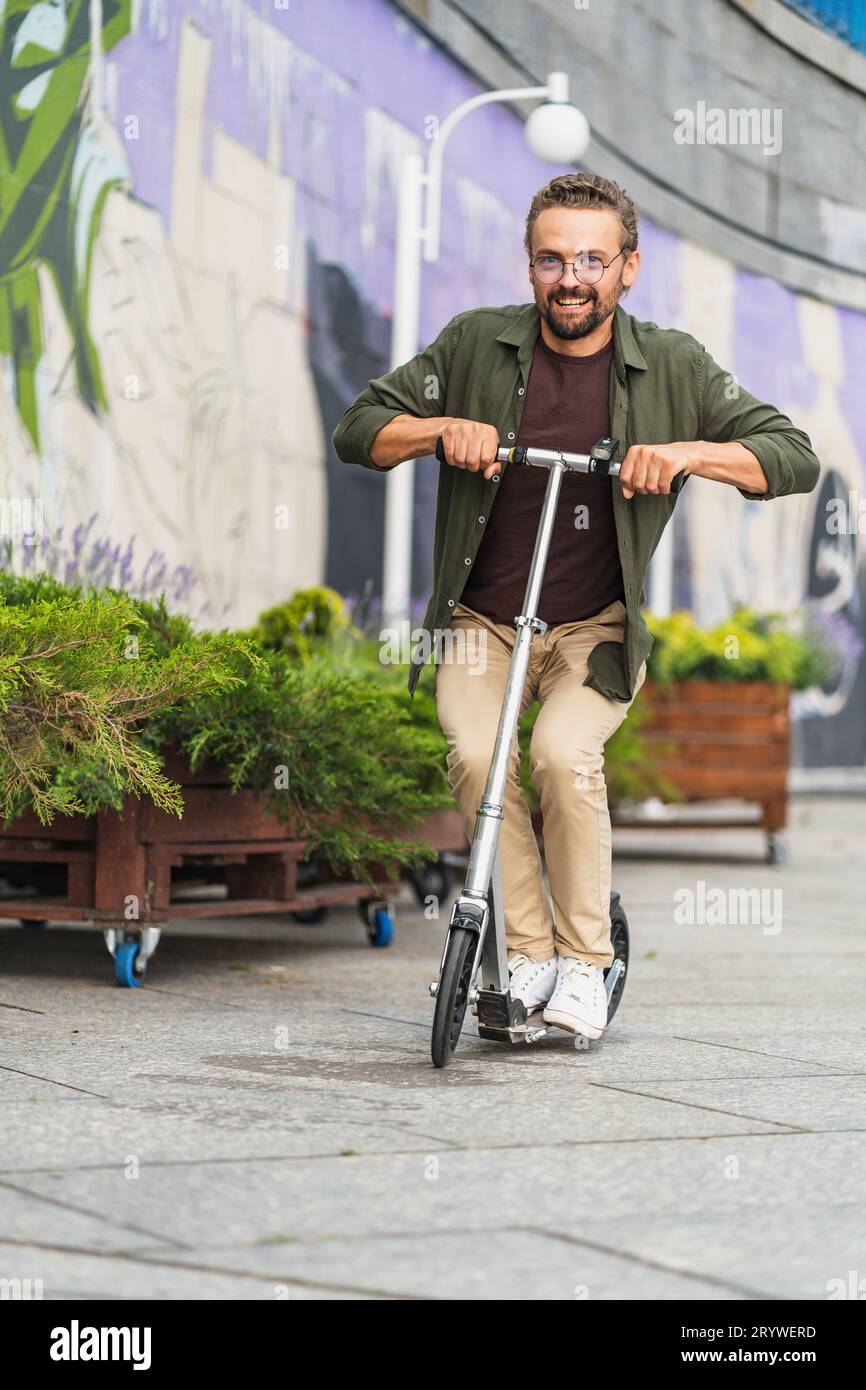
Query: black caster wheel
(310, 916)
(619, 942)
(308, 877)
(33, 923)
(430, 881)
(777, 852)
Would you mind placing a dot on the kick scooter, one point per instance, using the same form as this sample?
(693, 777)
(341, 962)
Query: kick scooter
(470, 946)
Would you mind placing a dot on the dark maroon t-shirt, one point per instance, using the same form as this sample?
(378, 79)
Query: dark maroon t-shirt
(567, 407)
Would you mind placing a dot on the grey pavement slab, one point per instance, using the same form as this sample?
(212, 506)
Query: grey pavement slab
(163, 1131)
(272, 1090)
(27, 1214)
(488, 1262)
(68, 1273)
(416, 1192)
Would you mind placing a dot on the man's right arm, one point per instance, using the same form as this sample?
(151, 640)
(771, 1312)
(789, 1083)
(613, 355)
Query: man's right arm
(398, 415)
(406, 437)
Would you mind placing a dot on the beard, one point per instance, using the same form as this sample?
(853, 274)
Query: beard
(568, 326)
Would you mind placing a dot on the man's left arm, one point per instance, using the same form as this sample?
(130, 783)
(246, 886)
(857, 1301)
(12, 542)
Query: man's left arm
(742, 441)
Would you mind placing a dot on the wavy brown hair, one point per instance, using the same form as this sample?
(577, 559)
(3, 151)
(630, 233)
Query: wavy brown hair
(584, 191)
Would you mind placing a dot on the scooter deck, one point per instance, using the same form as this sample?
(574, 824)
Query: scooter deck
(531, 1033)
(523, 1027)
(503, 1019)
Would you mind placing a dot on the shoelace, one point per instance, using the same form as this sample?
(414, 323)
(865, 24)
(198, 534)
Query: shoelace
(520, 959)
(579, 968)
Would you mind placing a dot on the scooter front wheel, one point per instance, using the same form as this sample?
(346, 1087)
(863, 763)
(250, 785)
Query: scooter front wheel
(452, 995)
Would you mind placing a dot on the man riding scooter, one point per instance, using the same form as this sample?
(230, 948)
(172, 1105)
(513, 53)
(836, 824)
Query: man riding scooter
(560, 373)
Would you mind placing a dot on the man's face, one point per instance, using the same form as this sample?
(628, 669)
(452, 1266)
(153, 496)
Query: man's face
(572, 309)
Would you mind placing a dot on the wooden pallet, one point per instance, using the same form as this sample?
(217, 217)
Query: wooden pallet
(115, 868)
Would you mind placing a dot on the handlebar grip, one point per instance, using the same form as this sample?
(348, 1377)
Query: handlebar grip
(678, 482)
(501, 454)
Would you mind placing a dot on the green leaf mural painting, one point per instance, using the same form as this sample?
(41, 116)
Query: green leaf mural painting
(46, 184)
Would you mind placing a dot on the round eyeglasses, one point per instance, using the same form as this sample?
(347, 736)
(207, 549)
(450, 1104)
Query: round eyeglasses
(587, 269)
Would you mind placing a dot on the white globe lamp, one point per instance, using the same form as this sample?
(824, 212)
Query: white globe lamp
(558, 133)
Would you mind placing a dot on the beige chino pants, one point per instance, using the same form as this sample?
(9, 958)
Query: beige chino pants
(567, 766)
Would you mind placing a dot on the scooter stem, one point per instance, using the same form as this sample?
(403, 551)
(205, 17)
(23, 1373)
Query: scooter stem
(488, 820)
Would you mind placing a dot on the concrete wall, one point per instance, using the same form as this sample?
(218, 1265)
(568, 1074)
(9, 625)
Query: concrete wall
(798, 215)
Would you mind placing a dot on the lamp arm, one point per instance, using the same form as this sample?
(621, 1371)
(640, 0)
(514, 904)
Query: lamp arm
(432, 178)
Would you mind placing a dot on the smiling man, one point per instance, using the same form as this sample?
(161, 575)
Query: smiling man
(560, 373)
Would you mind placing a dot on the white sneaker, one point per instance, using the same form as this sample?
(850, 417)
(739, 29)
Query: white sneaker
(531, 981)
(579, 1001)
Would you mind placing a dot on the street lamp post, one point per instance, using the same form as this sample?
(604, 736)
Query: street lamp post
(558, 133)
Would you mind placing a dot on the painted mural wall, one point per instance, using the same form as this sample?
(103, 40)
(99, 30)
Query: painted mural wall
(197, 210)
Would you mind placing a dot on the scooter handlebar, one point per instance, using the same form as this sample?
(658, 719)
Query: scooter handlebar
(575, 463)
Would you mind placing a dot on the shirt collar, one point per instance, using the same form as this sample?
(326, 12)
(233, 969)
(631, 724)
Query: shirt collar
(522, 333)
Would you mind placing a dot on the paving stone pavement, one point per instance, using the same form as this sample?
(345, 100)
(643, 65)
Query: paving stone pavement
(262, 1119)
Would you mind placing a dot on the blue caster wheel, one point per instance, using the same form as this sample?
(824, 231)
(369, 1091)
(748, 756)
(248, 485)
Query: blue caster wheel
(380, 926)
(125, 972)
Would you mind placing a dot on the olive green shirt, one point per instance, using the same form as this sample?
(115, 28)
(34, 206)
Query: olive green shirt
(664, 386)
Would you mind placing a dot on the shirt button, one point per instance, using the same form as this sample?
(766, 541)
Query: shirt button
(451, 603)
(482, 518)
(521, 392)
(511, 434)
(468, 560)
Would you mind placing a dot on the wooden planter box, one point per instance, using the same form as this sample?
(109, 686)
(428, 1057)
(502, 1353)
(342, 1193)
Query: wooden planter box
(93, 868)
(717, 741)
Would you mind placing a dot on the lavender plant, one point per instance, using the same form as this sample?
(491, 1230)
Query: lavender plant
(86, 559)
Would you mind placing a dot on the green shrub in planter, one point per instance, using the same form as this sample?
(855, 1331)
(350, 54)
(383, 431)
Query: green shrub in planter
(746, 646)
(306, 621)
(80, 679)
(161, 629)
(94, 686)
(321, 749)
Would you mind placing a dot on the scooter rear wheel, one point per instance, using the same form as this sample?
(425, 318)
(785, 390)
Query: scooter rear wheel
(452, 995)
(620, 944)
